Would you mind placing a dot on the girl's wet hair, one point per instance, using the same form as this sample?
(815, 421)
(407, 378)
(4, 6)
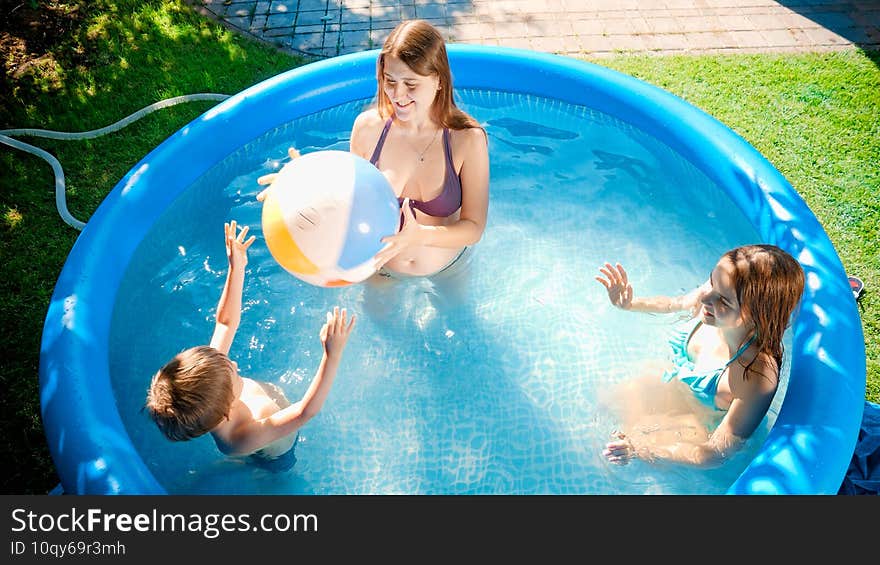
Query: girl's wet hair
(769, 284)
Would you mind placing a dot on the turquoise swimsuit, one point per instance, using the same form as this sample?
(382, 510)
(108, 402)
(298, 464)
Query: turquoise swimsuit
(704, 384)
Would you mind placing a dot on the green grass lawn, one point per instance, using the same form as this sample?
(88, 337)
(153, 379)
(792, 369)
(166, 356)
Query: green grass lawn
(816, 117)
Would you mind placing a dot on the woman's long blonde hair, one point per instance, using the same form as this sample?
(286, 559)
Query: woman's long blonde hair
(421, 48)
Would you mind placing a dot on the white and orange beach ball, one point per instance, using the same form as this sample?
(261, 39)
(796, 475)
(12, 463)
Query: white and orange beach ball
(324, 216)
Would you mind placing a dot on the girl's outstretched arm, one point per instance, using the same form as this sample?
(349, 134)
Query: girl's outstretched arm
(620, 292)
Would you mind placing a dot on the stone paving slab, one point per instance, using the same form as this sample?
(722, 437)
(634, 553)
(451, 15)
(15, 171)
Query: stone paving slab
(592, 28)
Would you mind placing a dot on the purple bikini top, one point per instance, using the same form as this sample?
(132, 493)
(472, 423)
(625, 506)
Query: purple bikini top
(449, 199)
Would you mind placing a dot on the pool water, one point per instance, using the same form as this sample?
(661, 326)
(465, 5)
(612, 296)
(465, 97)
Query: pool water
(484, 380)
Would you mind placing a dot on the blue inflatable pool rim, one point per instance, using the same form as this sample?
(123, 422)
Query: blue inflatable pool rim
(806, 452)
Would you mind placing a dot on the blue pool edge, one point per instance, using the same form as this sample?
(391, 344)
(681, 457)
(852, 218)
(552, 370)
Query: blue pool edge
(806, 452)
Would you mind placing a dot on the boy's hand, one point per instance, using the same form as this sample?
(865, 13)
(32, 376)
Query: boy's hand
(620, 292)
(236, 245)
(334, 334)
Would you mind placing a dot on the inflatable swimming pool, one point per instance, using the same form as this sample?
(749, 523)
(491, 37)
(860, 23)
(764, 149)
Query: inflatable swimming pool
(806, 452)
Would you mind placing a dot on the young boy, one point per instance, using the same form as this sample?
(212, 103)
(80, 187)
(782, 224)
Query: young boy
(200, 389)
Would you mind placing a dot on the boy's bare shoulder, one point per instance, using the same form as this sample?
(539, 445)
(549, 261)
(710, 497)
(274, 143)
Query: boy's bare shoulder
(224, 435)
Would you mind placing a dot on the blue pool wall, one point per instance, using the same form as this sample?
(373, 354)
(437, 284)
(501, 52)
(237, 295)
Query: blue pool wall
(806, 452)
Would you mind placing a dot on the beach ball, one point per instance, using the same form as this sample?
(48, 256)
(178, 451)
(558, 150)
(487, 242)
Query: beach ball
(324, 216)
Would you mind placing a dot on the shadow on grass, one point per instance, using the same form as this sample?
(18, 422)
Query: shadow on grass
(858, 22)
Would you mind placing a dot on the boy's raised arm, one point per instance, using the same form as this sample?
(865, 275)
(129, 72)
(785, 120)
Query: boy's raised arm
(334, 335)
(229, 306)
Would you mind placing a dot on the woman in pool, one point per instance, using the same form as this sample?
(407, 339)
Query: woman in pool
(728, 359)
(434, 154)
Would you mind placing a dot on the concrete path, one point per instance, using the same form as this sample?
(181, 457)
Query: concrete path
(593, 28)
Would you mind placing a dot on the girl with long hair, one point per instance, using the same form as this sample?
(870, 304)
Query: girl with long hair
(728, 359)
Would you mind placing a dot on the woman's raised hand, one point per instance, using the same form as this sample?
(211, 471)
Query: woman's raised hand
(270, 178)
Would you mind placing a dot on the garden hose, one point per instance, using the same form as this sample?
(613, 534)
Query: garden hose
(60, 189)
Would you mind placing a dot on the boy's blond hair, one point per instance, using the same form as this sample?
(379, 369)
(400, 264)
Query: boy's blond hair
(192, 393)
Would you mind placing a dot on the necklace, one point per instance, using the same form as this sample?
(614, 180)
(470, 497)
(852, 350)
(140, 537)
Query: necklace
(425, 150)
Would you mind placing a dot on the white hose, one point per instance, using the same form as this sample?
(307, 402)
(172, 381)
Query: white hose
(60, 190)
